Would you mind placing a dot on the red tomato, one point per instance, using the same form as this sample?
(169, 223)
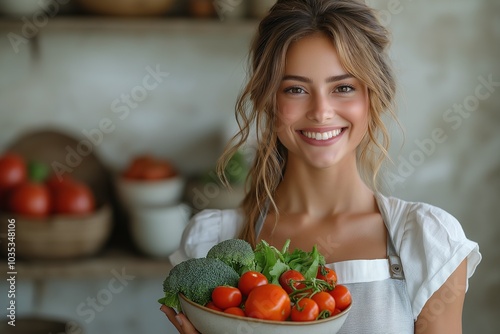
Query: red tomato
(54, 182)
(30, 199)
(325, 302)
(327, 274)
(157, 170)
(226, 296)
(13, 170)
(305, 309)
(73, 198)
(146, 167)
(212, 306)
(342, 296)
(268, 302)
(137, 166)
(335, 312)
(250, 280)
(235, 311)
(288, 280)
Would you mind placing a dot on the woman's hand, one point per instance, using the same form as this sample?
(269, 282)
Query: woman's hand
(179, 321)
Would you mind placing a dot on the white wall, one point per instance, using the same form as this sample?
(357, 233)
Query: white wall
(443, 51)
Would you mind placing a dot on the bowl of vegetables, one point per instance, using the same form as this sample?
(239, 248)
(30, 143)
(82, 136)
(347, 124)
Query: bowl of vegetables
(266, 290)
(216, 322)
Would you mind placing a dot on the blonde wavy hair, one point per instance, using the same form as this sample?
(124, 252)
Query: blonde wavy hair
(361, 43)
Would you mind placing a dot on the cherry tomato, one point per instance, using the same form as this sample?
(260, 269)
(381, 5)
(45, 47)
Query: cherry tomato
(30, 199)
(289, 280)
(250, 280)
(13, 170)
(305, 309)
(73, 198)
(335, 312)
(212, 306)
(235, 311)
(268, 302)
(327, 274)
(226, 296)
(342, 296)
(325, 302)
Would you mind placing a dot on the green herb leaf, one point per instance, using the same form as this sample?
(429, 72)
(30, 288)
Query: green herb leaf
(272, 263)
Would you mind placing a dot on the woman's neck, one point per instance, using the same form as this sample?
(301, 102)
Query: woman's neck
(322, 192)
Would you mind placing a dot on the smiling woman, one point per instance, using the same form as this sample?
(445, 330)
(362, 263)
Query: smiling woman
(320, 85)
(322, 111)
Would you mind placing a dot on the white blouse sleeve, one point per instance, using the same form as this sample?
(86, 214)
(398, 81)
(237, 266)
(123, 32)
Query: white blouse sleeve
(204, 230)
(431, 245)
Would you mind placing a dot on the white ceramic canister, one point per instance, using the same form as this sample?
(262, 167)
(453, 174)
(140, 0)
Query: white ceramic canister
(157, 231)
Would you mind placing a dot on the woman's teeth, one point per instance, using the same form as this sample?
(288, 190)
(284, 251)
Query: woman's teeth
(322, 135)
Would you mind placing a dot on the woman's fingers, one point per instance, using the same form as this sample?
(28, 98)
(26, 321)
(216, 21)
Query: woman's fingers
(186, 325)
(171, 315)
(178, 320)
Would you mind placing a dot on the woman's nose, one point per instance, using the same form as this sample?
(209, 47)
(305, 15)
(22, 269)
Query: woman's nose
(321, 109)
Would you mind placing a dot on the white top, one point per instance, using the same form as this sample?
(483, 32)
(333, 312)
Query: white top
(429, 241)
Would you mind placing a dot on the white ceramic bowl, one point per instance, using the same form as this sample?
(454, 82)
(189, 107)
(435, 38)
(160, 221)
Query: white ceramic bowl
(157, 231)
(214, 322)
(135, 193)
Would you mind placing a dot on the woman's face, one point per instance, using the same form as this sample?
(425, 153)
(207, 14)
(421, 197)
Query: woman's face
(322, 110)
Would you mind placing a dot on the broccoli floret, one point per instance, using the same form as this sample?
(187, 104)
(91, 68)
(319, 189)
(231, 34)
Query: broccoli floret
(196, 279)
(235, 252)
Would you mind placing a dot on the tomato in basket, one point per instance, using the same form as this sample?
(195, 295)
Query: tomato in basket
(13, 170)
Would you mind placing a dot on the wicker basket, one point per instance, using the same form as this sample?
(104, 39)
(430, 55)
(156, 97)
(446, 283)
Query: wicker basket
(61, 236)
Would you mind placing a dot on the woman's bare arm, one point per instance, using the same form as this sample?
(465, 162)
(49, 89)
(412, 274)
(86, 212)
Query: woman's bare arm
(442, 314)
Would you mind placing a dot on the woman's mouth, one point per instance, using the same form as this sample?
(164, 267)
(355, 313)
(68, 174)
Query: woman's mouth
(322, 136)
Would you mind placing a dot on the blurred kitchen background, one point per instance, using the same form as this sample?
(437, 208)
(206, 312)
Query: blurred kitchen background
(162, 79)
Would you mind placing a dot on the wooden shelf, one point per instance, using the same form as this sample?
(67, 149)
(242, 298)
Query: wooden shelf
(98, 267)
(159, 24)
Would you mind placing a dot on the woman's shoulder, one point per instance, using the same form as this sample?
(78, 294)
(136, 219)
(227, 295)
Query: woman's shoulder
(419, 226)
(205, 229)
(406, 218)
(431, 243)
(397, 210)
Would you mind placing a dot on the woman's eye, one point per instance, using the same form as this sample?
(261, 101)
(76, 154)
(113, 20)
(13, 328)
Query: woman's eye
(344, 89)
(295, 90)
